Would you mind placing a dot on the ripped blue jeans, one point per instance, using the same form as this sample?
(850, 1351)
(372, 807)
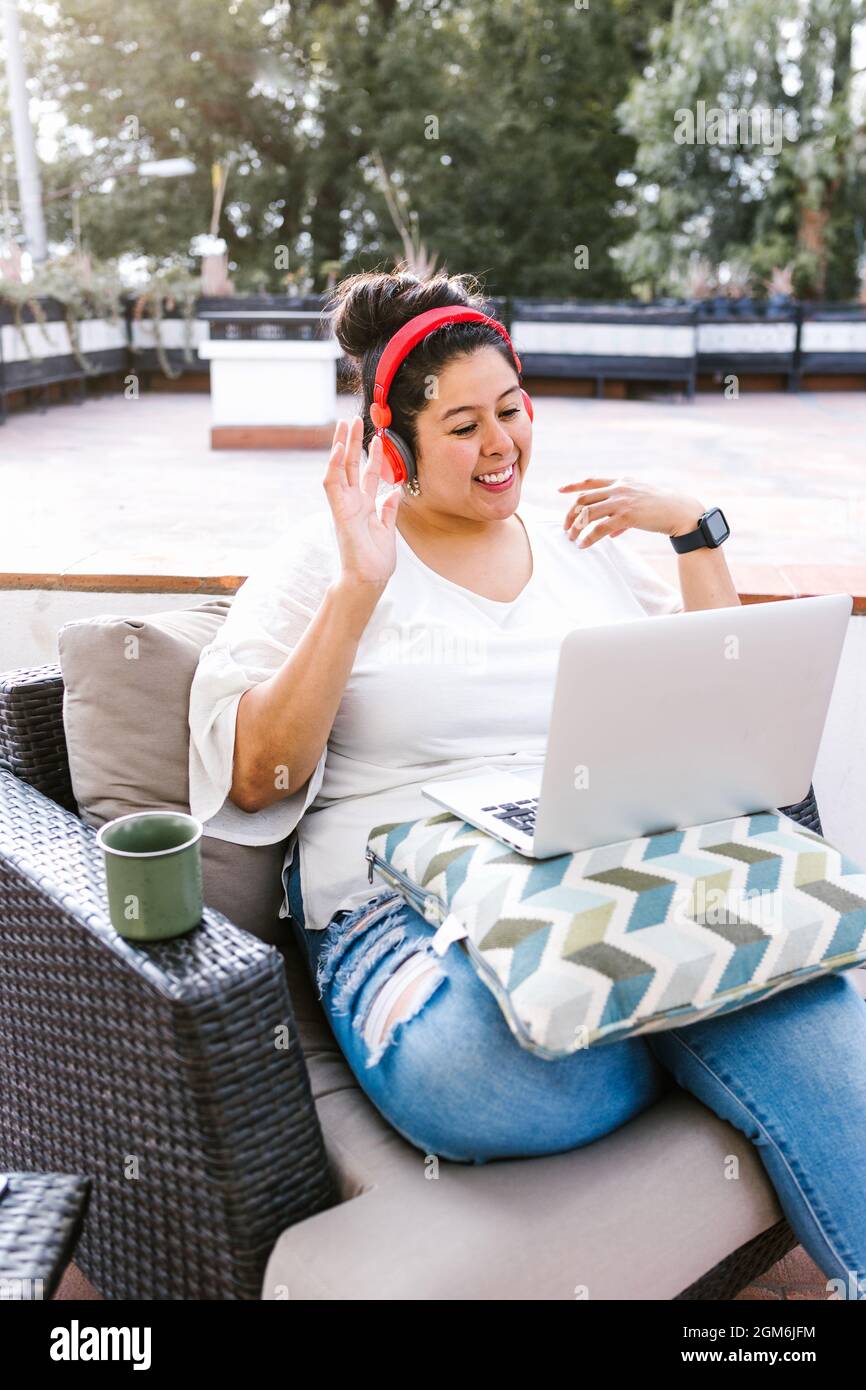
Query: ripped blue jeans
(789, 1071)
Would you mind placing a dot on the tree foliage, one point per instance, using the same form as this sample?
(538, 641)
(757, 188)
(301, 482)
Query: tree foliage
(515, 133)
(802, 204)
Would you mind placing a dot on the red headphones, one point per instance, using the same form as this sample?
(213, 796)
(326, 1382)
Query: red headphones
(398, 461)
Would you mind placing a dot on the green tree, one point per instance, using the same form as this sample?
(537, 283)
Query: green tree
(494, 118)
(172, 78)
(802, 204)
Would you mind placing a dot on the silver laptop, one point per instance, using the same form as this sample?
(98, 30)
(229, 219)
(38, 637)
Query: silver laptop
(662, 723)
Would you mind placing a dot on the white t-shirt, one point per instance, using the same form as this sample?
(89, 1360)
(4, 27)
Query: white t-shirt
(444, 682)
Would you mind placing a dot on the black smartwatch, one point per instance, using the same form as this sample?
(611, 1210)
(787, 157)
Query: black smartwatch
(711, 531)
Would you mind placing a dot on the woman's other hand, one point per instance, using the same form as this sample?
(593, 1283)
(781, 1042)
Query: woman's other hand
(609, 506)
(368, 547)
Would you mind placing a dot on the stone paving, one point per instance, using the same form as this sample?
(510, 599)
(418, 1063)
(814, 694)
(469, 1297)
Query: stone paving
(116, 487)
(795, 1277)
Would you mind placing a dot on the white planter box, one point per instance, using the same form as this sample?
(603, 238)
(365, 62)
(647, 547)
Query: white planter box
(284, 383)
(172, 332)
(95, 335)
(604, 339)
(832, 337)
(743, 338)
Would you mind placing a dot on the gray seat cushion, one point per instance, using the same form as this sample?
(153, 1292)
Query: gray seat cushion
(642, 1213)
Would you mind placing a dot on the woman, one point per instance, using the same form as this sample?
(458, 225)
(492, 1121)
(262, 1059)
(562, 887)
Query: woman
(377, 650)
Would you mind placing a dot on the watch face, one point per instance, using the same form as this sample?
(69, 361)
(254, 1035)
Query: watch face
(716, 525)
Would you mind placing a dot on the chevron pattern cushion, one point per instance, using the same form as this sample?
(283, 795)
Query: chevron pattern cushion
(637, 936)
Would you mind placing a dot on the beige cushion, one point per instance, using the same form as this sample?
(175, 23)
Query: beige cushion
(126, 707)
(641, 1213)
(126, 717)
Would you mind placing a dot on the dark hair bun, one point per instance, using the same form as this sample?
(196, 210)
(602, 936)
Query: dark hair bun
(370, 307)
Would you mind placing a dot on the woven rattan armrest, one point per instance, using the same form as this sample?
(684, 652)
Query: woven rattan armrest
(170, 1074)
(32, 734)
(40, 1220)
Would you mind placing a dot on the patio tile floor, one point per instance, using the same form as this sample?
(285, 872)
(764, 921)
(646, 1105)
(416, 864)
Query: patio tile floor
(131, 489)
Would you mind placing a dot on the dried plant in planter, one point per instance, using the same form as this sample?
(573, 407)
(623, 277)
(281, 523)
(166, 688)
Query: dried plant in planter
(173, 285)
(781, 281)
(698, 281)
(18, 296)
(417, 260)
(10, 261)
(738, 284)
(86, 289)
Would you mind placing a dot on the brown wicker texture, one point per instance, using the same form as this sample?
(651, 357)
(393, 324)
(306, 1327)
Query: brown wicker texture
(157, 1070)
(40, 1220)
(32, 737)
(154, 1069)
(171, 1074)
(743, 1266)
(806, 812)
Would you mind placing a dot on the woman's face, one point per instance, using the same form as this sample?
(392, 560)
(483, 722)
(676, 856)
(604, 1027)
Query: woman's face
(476, 425)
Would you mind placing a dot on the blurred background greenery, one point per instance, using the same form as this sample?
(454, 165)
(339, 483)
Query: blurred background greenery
(495, 136)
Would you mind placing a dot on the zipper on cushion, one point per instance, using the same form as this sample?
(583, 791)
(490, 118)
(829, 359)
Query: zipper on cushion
(435, 911)
(429, 905)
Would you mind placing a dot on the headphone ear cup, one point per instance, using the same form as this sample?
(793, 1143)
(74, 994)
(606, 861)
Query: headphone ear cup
(527, 402)
(392, 462)
(399, 457)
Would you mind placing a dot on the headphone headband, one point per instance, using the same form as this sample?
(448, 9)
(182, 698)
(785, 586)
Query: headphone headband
(401, 344)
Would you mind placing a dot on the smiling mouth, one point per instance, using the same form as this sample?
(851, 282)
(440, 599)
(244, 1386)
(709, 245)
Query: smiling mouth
(503, 475)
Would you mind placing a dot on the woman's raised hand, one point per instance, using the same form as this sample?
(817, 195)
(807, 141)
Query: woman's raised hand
(368, 547)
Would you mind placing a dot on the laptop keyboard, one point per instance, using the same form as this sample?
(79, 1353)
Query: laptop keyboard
(518, 814)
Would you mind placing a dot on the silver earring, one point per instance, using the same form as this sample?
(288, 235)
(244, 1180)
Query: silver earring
(412, 487)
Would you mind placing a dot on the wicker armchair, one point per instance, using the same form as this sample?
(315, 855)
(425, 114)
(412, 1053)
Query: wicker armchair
(155, 1071)
(169, 1074)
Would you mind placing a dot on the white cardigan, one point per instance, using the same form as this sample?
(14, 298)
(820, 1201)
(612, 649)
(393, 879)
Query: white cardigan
(444, 682)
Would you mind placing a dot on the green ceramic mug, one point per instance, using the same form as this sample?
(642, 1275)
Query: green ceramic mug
(153, 873)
